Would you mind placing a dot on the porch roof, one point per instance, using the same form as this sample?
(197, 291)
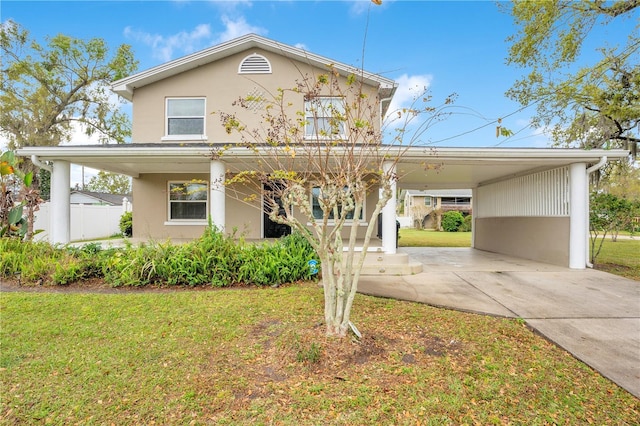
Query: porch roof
(419, 168)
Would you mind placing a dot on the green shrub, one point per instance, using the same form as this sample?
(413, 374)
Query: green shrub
(126, 224)
(466, 224)
(451, 221)
(39, 262)
(214, 258)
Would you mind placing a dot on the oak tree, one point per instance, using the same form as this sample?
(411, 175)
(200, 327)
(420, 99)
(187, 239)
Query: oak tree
(594, 105)
(46, 88)
(110, 183)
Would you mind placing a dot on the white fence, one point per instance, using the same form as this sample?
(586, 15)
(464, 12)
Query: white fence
(542, 194)
(88, 222)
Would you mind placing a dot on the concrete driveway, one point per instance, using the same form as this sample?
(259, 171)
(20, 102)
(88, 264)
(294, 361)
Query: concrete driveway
(591, 314)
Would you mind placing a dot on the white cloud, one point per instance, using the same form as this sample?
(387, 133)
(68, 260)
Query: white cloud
(165, 48)
(359, 7)
(238, 28)
(409, 88)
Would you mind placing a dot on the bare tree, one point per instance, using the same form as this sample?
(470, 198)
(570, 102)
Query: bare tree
(317, 169)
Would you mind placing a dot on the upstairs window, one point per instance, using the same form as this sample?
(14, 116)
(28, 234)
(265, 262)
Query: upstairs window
(325, 118)
(185, 117)
(427, 201)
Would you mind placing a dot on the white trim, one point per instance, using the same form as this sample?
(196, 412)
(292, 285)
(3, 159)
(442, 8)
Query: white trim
(177, 138)
(169, 201)
(311, 114)
(202, 136)
(253, 56)
(125, 87)
(421, 154)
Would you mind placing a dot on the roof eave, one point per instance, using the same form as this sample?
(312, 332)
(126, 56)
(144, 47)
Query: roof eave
(125, 87)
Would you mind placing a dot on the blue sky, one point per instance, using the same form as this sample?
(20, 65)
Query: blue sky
(453, 46)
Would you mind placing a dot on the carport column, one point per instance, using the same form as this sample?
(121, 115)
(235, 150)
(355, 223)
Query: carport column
(578, 215)
(60, 218)
(389, 230)
(217, 193)
(474, 212)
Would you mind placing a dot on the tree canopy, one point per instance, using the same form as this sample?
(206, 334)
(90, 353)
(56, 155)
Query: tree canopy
(110, 183)
(593, 106)
(46, 88)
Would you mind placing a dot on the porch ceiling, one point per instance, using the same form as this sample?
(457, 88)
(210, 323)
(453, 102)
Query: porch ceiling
(419, 168)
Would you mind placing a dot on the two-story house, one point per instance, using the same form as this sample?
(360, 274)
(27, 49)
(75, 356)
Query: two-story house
(526, 202)
(174, 105)
(422, 206)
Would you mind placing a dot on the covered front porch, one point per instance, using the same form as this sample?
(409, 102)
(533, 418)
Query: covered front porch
(531, 203)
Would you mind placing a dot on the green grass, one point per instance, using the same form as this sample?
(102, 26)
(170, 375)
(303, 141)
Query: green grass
(259, 356)
(431, 238)
(621, 257)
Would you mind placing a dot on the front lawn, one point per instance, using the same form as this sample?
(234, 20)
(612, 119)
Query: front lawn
(430, 238)
(259, 356)
(621, 257)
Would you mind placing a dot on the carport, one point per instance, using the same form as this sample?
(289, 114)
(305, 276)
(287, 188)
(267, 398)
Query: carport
(529, 203)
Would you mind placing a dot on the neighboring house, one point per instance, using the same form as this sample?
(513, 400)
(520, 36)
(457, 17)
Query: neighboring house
(527, 202)
(99, 198)
(423, 206)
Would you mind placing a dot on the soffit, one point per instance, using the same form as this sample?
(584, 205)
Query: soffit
(419, 168)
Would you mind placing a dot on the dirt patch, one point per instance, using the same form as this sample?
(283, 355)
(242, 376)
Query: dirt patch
(438, 347)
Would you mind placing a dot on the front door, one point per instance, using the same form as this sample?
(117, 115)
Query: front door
(273, 229)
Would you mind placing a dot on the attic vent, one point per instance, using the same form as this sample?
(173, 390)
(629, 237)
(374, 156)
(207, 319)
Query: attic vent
(254, 64)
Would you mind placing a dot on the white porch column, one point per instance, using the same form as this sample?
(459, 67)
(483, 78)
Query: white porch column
(474, 212)
(217, 172)
(578, 215)
(389, 230)
(59, 221)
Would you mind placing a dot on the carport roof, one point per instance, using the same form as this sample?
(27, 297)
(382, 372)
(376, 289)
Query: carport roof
(419, 167)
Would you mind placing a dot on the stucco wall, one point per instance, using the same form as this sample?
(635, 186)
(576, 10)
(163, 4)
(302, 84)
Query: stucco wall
(544, 239)
(151, 221)
(221, 85)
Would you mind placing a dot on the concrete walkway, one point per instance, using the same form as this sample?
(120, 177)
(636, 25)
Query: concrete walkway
(592, 314)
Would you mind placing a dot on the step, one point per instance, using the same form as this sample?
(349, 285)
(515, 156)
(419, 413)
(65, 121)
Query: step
(377, 263)
(410, 268)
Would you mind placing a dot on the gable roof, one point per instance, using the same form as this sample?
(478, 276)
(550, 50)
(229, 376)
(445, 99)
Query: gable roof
(112, 199)
(125, 87)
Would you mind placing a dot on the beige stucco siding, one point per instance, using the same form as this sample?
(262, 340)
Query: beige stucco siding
(543, 239)
(246, 217)
(152, 220)
(221, 85)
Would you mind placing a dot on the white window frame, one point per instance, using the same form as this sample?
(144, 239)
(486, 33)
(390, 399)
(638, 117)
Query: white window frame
(310, 115)
(427, 201)
(175, 221)
(363, 215)
(186, 137)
